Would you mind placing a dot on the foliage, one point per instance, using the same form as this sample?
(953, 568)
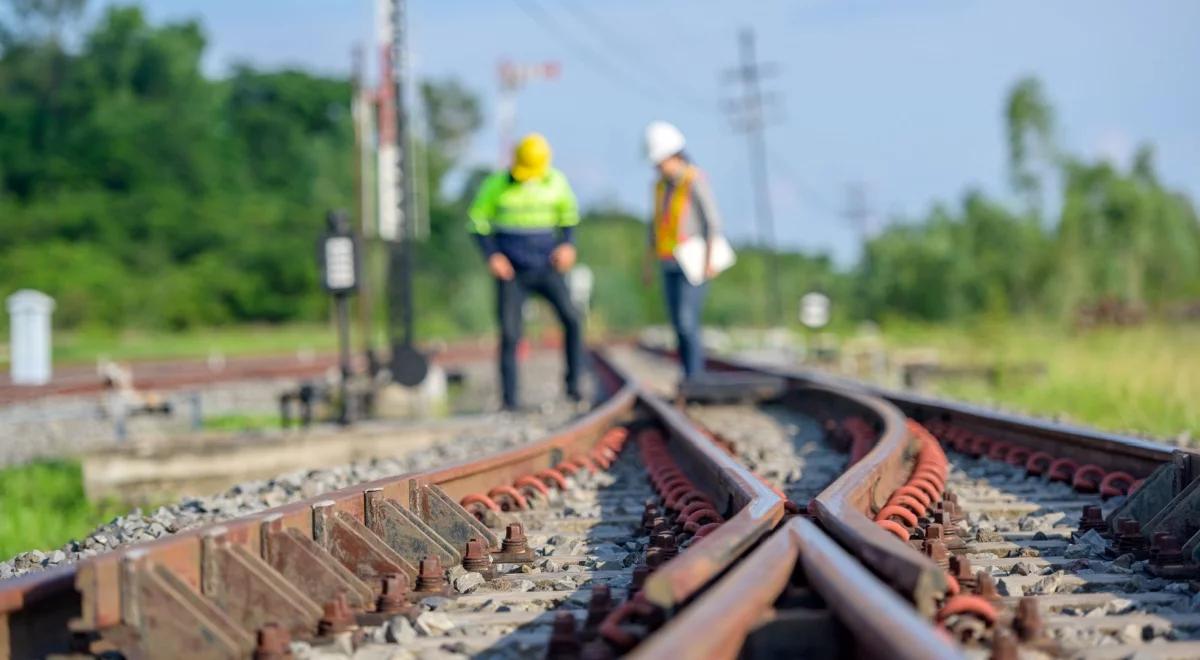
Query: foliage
(138, 192)
(1119, 236)
(44, 504)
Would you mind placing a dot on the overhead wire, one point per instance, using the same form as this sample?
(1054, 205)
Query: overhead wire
(634, 54)
(682, 94)
(585, 52)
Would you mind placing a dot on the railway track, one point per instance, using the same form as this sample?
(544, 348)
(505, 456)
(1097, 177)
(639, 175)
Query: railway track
(827, 521)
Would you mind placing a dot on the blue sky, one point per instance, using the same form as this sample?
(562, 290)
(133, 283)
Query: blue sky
(904, 96)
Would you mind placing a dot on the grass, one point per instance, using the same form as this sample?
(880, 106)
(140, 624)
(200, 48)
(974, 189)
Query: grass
(87, 346)
(1144, 379)
(43, 506)
(241, 422)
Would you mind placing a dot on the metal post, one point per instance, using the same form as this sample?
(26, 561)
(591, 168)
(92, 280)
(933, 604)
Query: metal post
(750, 119)
(343, 321)
(408, 365)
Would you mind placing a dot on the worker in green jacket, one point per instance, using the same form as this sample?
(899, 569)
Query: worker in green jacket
(524, 220)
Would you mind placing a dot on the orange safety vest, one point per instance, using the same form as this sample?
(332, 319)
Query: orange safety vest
(668, 216)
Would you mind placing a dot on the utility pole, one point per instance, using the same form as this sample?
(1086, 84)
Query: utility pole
(859, 210)
(361, 110)
(748, 117)
(408, 366)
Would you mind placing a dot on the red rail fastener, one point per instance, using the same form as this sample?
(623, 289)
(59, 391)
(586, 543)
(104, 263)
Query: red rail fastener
(1038, 462)
(1087, 478)
(550, 474)
(931, 489)
(914, 492)
(479, 499)
(895, 528)
(907, 517)
(530, 483)
(1018, 456)
(1062, 469)
(966, 604)
(999, 451)
(699, 519)
(909, 502)
(1116, 484)
(508, 498)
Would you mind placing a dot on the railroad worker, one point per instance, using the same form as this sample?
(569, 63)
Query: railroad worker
(684, 208)
(524, 220)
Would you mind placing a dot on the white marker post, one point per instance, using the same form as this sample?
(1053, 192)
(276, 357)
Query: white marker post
(29, 325)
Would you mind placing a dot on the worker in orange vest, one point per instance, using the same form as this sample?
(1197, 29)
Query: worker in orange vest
(684, 208)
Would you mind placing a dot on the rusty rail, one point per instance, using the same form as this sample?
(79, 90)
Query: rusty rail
(191, 594)
(744, 604)
(310, 543)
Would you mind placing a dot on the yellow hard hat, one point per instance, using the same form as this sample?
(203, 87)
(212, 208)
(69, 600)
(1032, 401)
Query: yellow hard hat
(531, 158)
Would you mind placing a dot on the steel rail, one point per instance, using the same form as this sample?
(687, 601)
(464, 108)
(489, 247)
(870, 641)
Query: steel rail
(103, 602)
(881, 624)
(37, 610)
(1111, 451)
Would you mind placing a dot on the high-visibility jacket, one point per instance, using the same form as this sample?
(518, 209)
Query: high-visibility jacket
(504, 204)
(525, 221)
(669, 211)
(683, 208)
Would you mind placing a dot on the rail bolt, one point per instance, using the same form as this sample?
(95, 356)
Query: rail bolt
(564, 639)
(640, 573)
(1004, 647)
(392, 598)
(429, 575)
(1027, 622)
(648, 516)
(476, 557)
(514, 539)
(985, 587)
(1129, 537)
(600, 605)
(1166, 550)
(665, 542)
(936, 550)
(1092, 518)
(337, 617)
(274, 643)
(960, 568)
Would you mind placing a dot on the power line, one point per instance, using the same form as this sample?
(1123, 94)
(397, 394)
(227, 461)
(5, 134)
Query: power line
(585, 51)
(634, 54)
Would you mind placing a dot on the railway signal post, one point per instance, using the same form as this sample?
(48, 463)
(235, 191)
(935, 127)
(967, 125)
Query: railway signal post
(339, 259)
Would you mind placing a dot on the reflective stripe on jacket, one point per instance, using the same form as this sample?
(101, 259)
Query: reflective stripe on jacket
(668, 211)
(683, 208)
(506, 205)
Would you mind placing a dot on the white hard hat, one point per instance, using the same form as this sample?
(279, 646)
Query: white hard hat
(663, 140)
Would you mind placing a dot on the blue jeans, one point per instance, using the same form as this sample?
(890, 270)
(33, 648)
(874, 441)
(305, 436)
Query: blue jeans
(684, 303)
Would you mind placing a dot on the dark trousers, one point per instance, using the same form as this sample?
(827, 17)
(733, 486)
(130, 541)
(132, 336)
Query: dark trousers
(684, 304)
(510, 299)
